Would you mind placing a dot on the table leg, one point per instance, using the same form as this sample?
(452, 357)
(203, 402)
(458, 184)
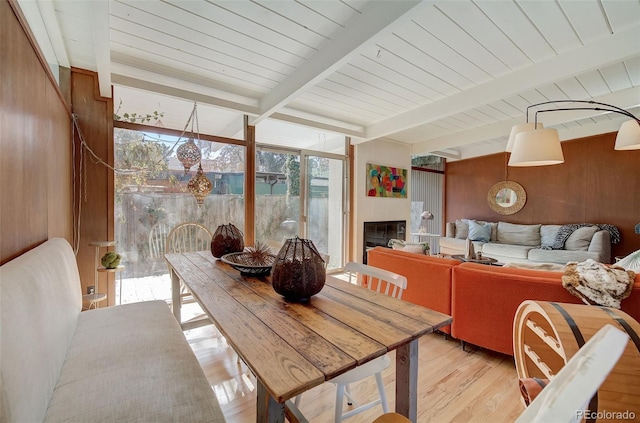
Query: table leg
(407, 380)
(293, 414)
(176, 302)
(268, 409)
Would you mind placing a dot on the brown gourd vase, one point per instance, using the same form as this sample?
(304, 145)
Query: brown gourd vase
(298, 272)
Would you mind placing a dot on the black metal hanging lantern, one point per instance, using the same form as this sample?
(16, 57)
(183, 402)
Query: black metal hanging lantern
(299, 270)
(227, 239)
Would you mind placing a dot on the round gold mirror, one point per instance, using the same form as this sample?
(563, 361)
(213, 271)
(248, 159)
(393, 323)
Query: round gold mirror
(506, 197)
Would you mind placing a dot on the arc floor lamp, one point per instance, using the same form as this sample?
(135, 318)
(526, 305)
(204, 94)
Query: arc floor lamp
(530, 144)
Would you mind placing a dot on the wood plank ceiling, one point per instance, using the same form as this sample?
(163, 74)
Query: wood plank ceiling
(449, 77)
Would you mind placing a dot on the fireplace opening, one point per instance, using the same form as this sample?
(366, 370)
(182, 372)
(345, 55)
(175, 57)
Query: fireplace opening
(379, 233)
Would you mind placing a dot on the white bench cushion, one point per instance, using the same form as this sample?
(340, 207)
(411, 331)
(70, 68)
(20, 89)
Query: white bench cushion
(40, 303)
(131, 363)
(127, 363)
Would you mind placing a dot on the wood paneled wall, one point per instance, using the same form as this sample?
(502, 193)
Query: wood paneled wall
(94, 180)
(595, 184)
(36, 176)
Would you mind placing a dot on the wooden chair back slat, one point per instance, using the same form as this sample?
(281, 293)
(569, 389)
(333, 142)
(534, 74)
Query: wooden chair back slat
(188, 237)
(377, 279)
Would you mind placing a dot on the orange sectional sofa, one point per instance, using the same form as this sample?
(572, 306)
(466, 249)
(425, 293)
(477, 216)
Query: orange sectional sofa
(485, 299)
(429, 278)
(482, 299)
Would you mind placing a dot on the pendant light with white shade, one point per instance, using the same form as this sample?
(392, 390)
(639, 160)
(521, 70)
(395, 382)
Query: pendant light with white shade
(530, 144)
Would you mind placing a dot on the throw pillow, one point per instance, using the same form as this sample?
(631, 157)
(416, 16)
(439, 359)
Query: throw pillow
(494, 231)
(413, 248)
(511, 233)
(462, 229)
(548, 235)
(580, 239)
(479, 231)
(417, 248)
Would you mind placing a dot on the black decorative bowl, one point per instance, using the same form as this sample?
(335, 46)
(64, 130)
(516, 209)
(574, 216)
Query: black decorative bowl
(243, 262)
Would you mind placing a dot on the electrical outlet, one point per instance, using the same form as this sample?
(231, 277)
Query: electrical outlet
(91, 289)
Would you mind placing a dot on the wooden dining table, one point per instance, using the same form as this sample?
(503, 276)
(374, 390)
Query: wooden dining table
(292, 347)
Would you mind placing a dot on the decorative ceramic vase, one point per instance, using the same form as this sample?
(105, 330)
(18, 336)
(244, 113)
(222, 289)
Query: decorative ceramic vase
(299, 270)
(226, 239)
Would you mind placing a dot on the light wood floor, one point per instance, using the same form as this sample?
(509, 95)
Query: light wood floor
(453, 385)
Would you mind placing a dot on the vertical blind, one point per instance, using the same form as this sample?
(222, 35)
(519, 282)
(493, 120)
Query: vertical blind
(428, 188)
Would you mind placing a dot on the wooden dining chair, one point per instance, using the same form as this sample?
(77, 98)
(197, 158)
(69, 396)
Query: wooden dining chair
(157, 242)
(377, 279)
(189, 237)
(390, 284)
(185, 238)
(568, 396)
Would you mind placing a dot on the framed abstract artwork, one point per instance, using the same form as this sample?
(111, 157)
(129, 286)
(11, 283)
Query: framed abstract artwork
(384, 181)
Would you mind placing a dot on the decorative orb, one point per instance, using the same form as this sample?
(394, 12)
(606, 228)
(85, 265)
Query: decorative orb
(200, 186)
(299, 270)
(289, 226)
(189, 154)
(226, 239)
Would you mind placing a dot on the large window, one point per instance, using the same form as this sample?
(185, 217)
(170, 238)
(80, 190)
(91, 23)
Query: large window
(298, 192)
(151, 197)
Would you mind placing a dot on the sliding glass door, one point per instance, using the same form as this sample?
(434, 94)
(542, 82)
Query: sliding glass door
(324, 198)
(277, 209)
(286, 180)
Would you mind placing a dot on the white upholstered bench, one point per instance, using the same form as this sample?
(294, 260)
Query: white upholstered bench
(129, 363)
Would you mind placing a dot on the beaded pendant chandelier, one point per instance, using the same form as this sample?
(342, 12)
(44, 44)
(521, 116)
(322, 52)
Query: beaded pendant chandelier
(200, 186)
(189, 155)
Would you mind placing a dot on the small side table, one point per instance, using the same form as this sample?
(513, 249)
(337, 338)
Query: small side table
(484, 260)
(114, 270)
(96, 296)
(93, 299)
